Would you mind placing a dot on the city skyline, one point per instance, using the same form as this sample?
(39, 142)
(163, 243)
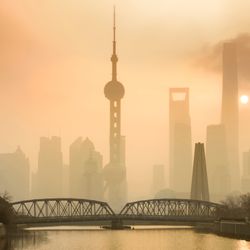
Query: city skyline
(124, 124)
(67, 107)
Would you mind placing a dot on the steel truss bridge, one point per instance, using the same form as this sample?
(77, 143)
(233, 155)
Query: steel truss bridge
(58, 211)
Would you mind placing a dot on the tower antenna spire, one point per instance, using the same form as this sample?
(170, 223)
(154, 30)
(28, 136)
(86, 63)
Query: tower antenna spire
(114, 24)
(114, 58)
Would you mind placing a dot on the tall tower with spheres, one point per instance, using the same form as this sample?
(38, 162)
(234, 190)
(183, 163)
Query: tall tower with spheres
(115, 171)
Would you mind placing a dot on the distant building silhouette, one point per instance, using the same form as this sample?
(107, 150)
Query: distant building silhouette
(115, 170)
(92, 177)
(230, 112)
(165, 194)
(199, 189)
(85, 170)
(180, 143)
(14, 175)
(158, 178)
(49, 177)
(65, 181)
(217, 163)
(245, 182)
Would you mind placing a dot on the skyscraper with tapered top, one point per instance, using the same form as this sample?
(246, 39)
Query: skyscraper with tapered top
(230, 111)
(115, 171)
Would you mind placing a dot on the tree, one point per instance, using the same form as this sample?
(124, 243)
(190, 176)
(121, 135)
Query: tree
(245, 204)
(6, 211)
(235, 207)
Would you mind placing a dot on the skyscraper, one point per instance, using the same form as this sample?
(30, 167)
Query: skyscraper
(92, 185)
(50, 168)
(199, 188)
(85, 170)
(14, 175)
(79, 153)
(180, 144)
(217, 163)
(115, 171)
(230, 111)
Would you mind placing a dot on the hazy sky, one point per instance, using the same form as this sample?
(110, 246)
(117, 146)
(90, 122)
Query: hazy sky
(55, 61)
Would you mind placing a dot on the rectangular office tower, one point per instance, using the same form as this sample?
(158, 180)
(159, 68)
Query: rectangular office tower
(230, 111)
(48, 179)
(180, 144)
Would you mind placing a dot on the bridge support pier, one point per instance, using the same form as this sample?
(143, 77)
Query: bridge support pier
(117, 224)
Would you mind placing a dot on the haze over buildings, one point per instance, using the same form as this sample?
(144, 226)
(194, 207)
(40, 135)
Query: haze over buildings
(159, 180)
(54, 62)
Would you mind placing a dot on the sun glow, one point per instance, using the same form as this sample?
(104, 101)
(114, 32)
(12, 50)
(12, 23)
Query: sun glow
(244, 99)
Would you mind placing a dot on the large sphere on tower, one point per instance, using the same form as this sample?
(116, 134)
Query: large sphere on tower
(114, 90)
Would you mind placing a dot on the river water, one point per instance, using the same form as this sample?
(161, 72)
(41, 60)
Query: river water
(141, 238)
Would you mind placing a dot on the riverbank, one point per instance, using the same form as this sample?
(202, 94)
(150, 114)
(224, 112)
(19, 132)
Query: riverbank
(227, 228)
(235, 229)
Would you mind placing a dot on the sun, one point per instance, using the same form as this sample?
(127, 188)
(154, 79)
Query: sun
(244, 99)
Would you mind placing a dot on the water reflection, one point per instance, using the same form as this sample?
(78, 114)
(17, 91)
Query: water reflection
(243, 245)
(96, 239)
(3, 244)
(24, 240)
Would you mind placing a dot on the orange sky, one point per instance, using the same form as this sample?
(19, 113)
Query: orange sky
(55, 61)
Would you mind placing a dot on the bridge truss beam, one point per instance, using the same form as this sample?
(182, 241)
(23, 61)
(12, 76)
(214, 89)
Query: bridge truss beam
(60, 209)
